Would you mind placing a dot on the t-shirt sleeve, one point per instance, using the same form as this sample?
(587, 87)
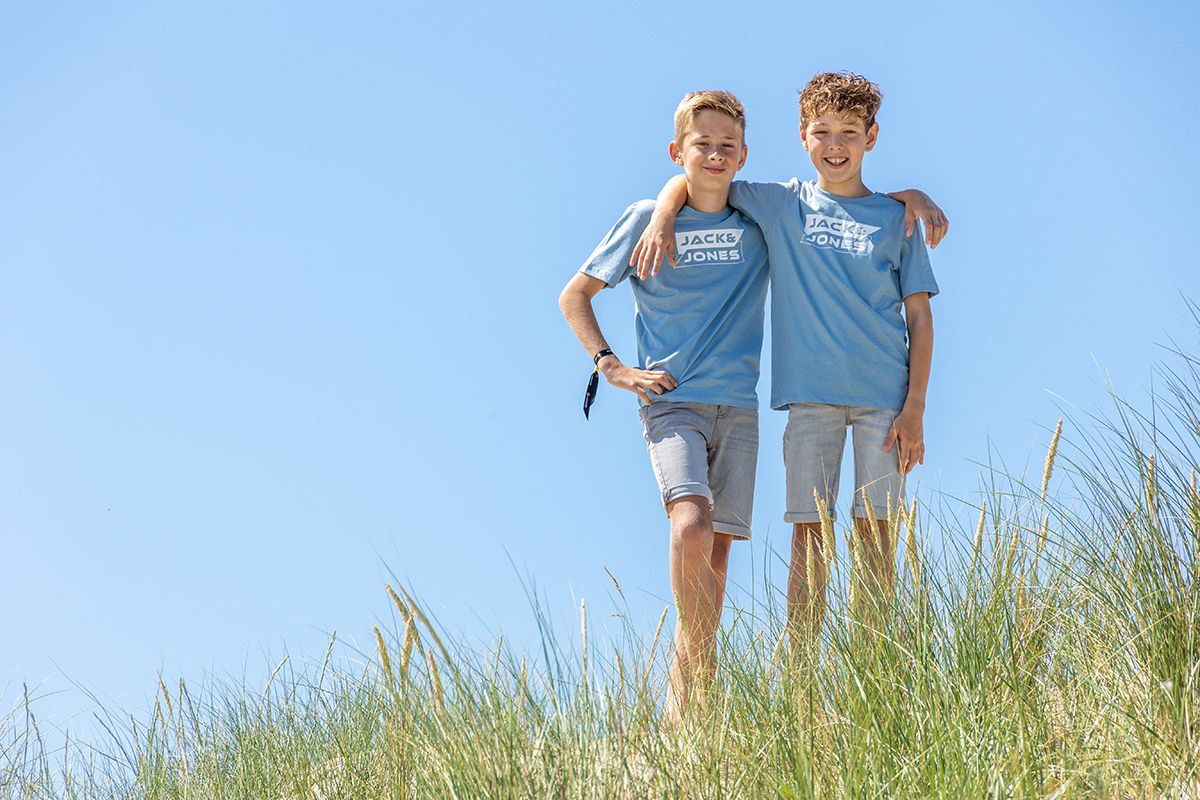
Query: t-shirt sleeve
(610, 260)
(916, 273)
(762, 202)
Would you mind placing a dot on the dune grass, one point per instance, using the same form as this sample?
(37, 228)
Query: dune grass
(1049, 648)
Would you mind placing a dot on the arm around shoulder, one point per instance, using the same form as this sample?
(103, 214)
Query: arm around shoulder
(657, 241)
(919, 206)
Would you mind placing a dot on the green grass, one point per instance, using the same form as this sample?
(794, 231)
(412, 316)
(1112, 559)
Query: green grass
(1050, 649)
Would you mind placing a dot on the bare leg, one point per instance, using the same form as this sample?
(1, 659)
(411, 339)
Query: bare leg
(877, 568)
(806, 602)
(695, 586)
(720, 566)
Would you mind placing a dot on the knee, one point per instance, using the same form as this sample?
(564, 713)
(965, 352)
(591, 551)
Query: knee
(691, 522)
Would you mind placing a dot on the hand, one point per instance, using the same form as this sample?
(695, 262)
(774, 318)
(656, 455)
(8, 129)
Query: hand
(908, 428)
(918, 206)
(638, 381)
(657, 241)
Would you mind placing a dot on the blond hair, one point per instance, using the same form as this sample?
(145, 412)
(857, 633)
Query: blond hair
(840, 93)
(714, 100)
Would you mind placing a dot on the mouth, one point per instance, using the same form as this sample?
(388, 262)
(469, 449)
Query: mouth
(714, 170)
(838, 161)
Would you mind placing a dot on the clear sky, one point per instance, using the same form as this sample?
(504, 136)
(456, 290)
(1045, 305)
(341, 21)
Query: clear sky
(278, 290)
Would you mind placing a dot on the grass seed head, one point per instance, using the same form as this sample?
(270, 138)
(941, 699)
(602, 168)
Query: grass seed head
(405, 614)
(410, 638)
(1048, 469)
(977, 547)
(911, 555)
(383, 655)
(829, 544)
(1011, 556)
(867, 505)
(810, 567)
(166, 695)
(895, 518)
(436, 679)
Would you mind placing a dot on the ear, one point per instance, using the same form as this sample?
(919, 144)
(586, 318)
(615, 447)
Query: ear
(803, 136)
(872, 135)
(675, 152)
(742, 160)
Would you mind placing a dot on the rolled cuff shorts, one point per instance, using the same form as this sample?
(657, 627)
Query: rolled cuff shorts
(710, 451)
(813, 443)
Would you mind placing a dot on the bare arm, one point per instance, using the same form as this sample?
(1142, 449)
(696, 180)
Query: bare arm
(908, 428)
(658, 240)
(576, 305)
(918, 206)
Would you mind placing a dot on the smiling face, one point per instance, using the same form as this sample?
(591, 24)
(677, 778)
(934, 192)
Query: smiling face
(711, 152)
(836, 143)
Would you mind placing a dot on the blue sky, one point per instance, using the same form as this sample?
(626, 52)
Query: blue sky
(278, 294)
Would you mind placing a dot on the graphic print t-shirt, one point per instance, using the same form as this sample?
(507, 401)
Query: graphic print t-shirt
(840, 270)
(701, 321)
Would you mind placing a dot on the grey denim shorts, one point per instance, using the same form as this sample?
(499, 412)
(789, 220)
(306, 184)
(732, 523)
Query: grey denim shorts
(813, 443)
(710, 451)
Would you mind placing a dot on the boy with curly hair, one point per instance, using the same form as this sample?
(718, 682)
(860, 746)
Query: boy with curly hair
(852, 333)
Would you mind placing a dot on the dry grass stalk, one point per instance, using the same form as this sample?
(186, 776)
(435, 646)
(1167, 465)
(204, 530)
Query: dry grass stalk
(1050, 453)
(411, 637)
(428, 626)
(524, 682)
(274, 672)
(166, 695)
(436, 679)
(870, 509)
(405, 614)
(977, 547)
(895, 519)
(1151, 486)
(910, 551)
(384, 659)
(1011, 555)
(775, 651)
(827, 535)
(653, 646)
(854, 545)
(810, 569)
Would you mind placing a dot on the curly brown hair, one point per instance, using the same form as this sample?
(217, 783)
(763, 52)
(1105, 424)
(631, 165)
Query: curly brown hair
(840, 93)
(695, 102)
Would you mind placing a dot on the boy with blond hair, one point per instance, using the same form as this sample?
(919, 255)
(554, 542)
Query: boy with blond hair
(844, 265)
(699, 339)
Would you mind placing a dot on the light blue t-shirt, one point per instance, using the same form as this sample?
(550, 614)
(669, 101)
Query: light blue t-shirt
(840, 270)
(701, 321)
